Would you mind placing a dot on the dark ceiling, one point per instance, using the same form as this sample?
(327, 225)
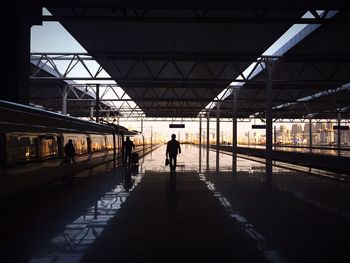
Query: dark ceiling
(319, 64)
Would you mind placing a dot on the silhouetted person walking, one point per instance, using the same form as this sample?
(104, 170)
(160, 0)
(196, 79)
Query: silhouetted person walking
(128, 146)
(172, 149)
(69, 151)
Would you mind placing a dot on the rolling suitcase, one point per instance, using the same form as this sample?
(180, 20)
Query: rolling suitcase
(134, 158)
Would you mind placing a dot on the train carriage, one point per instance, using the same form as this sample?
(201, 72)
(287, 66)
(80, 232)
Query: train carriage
(32, 146)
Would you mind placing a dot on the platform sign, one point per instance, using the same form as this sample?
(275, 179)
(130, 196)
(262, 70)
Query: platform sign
(255, 126)
(336, 127)
(176, 125)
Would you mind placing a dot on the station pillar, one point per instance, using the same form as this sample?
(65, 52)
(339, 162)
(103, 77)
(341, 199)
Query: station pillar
(208, 129)
(270, 65)
(310, 135)
(234, 129)
(208, 138)
(217, 126)
(64, 99)
(217, 135)
(200, 144)
(97, 104)
(16, 30)
(339, 134)
(142, 125)
(91, 111)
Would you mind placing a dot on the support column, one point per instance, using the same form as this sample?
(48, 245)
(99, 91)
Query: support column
(234, 130)
(64, 99)
(217, 126)
(208, 138)
(143, 137)
(200, 144)
(339, 134)
(16, 44)
(269, 63)
(151, 136)
(17, 56)
(208, 131)
(217, 136)
(200, 132)
(91, 112)
(142, 125)
(310, 135)
(274, 137)
(97, 104)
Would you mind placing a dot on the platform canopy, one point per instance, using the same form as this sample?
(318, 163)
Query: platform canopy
(311, 79)
(49, 94)
(174, 57)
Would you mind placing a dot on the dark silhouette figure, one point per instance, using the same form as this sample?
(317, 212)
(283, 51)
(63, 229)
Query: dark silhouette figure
(128, 146)
(173, 148)
(69, 151)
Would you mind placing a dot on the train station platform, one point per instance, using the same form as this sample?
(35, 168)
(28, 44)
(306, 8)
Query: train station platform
(204, 213)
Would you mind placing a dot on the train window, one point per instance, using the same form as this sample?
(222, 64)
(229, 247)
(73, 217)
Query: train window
(137, 139)
(21, 148)
(117, 136)
(79, 142)
(109, 142)
(49, 147)
(98, 143)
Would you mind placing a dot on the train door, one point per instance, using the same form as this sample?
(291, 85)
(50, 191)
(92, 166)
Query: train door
(119, 151)
(60, 146)
(48, 146)
(88, 139)
(122, 146)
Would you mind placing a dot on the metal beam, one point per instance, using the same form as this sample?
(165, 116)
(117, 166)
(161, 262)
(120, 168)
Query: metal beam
(185, 20)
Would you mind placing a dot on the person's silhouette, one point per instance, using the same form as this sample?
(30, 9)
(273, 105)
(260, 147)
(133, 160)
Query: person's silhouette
(173, 148)
(128, 146)
(69, 151)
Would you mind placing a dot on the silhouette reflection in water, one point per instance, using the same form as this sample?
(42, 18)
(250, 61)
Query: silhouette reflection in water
(127, 180)
(171, 191)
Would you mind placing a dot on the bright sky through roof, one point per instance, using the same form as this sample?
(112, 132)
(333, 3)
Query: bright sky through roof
(290, 38)
(53, 37)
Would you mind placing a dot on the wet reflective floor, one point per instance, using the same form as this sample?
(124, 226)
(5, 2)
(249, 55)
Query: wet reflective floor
(205, 213)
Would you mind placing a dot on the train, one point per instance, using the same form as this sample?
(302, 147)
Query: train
(32, 144)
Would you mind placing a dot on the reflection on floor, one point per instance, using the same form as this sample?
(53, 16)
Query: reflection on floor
(205, 213)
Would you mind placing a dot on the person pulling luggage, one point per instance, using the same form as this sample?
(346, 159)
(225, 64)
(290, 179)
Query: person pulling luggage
(172, 150)
(128, 146)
